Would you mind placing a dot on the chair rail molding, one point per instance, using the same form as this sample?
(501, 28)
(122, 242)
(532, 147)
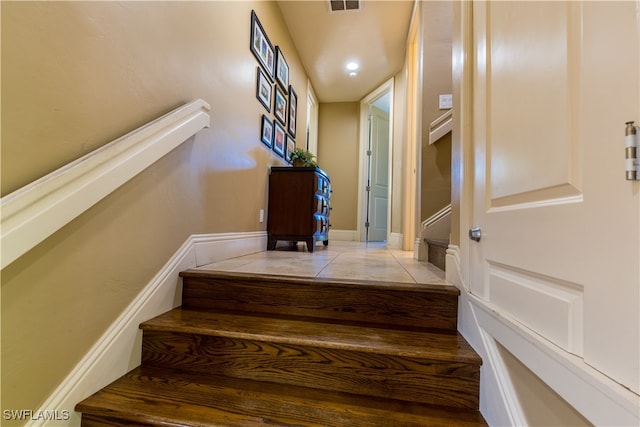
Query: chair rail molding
(34, 212)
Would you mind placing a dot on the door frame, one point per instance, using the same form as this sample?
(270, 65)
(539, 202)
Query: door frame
(312, 120)
(386, 87)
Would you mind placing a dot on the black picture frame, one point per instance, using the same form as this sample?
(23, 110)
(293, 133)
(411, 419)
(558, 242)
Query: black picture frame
(282, 69)
(264, 89)
(261, 46)
(291, 145)
(266, 131)
(279, 139)
(293, 111)
(280, 106)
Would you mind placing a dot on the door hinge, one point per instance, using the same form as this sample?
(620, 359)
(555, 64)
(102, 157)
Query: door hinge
(632, 148)
(368, 152)
(367, 188)
(366, 224)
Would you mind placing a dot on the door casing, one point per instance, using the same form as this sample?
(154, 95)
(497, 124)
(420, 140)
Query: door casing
(386, 87)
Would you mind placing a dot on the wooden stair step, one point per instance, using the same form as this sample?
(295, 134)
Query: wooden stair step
(402, 305)
(425, 367)
(161, 397)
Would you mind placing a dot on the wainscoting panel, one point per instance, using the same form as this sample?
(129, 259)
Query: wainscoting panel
(548, 306)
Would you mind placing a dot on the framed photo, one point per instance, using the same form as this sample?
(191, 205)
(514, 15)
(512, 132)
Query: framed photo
(282, 69)
(293, 111)
(261, 46)
(264, 90)
(279, 139)
(291, 145)
(280, 106)
(266, 131)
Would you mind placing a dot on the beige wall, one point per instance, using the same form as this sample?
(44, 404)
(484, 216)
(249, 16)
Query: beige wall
(437, 80)
(76, 75)
(338, 155)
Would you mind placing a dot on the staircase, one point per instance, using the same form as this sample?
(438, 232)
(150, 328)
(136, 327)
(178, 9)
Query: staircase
(258, 350)
(435, 234)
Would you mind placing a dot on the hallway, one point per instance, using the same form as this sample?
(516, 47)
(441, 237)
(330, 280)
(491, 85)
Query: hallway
(340, 260)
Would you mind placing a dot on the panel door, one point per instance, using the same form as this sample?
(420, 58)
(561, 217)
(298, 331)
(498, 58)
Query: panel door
(378, 213)
(554, 84)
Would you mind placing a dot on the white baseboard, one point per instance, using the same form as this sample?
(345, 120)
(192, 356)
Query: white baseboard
(395, 241)
(217, 247)
(119, 349)
(596, 397)
(343, 235)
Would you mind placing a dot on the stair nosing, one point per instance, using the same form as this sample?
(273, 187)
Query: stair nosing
(168, 322)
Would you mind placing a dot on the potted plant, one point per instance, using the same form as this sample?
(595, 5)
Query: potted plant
(303, 158)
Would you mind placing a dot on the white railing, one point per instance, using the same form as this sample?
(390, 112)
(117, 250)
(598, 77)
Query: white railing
(440, 126)
(438, 225)
(442, 213)
(34, 212)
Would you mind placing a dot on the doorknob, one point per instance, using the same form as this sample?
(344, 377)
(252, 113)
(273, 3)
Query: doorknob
(475, 233)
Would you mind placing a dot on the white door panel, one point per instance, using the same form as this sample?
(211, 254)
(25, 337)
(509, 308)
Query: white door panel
(554, 84)
(379, 175)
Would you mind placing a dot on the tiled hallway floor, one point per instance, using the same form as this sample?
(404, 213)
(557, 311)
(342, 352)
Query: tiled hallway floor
(340, 260)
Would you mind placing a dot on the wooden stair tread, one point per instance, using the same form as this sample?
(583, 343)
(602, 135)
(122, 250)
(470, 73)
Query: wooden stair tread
(148, 396)
(433, 346)
(323, 281)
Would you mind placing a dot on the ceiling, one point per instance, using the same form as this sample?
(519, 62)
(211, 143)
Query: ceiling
(374, 36)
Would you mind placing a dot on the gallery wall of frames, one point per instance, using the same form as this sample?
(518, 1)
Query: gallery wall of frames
(275, 93)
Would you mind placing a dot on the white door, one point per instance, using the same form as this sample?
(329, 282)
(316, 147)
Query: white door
(379, 178)
(554, 84)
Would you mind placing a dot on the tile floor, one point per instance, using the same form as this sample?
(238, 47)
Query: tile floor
(340, 260)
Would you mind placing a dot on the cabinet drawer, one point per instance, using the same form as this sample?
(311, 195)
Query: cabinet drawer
(323, 186)
(321, 224)
(322, 205)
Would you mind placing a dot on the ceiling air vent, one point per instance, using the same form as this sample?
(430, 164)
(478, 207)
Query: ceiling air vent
(342, 5)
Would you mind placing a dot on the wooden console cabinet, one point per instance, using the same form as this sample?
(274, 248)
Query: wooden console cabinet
(299, 206)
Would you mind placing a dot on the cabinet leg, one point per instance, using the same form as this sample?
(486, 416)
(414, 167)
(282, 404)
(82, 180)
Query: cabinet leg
(311, 245)
(271, 243)
(325, 242)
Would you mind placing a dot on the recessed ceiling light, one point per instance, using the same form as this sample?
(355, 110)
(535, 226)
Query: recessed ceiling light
(352, 66)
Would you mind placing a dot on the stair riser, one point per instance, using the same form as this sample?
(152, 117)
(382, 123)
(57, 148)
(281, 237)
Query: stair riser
(452, 384)
(346, 304)
(438, 256)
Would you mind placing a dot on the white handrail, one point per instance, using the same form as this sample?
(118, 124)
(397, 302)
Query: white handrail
(436, 216)
(440, 126)
(34, 212)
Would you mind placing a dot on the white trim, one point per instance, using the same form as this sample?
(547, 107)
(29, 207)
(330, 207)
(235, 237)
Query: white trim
(312, 120)
(395, 241)
(596, 397)
(446, 211)
(217, 247)
(343, 235)
(440, 127)
(34, 212)
(119, 349)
